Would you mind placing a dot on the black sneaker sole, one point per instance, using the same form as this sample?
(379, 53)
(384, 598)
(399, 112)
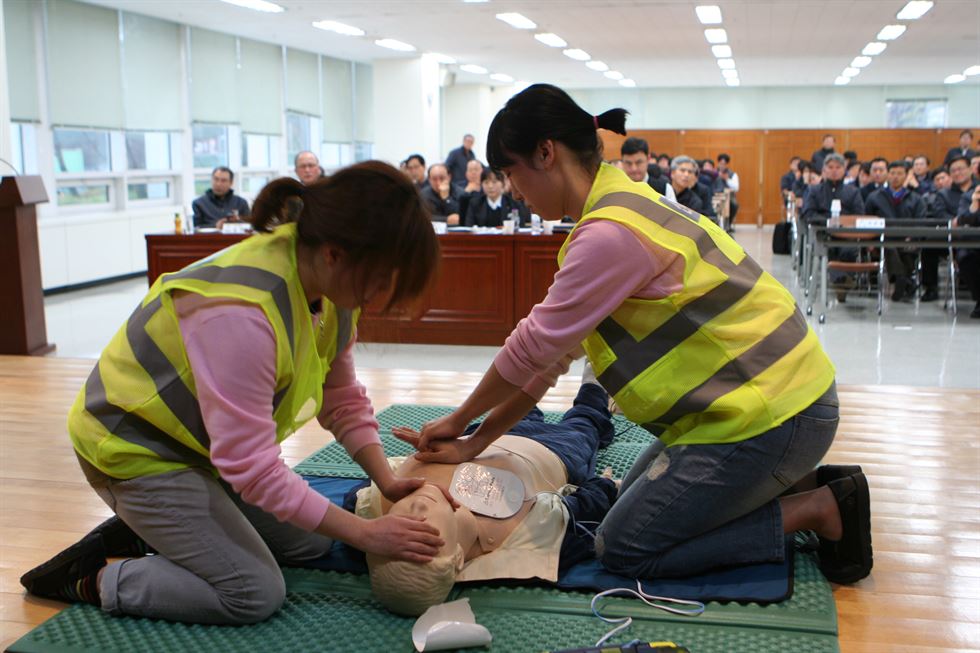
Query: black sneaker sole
(77, 561)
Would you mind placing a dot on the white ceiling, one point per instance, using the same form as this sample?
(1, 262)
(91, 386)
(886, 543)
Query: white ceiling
(655, 42)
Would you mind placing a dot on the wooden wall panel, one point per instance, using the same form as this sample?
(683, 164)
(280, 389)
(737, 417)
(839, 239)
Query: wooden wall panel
(761, 156)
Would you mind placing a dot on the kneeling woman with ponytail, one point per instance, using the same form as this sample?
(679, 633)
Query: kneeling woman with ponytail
(178, 427)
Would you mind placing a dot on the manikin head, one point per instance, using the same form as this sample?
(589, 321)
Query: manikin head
(411, 588)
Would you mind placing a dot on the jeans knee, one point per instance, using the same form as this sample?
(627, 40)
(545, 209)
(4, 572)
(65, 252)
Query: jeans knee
(257, 599)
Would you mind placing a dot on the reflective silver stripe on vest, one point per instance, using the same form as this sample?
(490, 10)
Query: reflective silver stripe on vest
(135, 429)
(250, 277)
(345, 322)
(752, 362)
(173, 391)
(632, 356)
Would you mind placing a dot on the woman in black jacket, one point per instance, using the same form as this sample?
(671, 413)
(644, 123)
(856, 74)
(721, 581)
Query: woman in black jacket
(491, 207)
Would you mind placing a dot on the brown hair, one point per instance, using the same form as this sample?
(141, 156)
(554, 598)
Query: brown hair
(371, 211)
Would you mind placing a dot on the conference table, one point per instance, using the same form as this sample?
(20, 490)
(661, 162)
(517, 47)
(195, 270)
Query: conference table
(486, 284)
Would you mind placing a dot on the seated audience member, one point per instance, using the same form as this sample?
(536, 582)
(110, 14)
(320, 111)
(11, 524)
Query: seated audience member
(975, 167)
(807, 178)
(816, 206)
(307, 167)
(896, 201)
(706, 194)
(850, 157)
(219, 203)
(789, 178)
(969, 259)
(946, 206)
(441, 196)
(470, 187)
(457, 159)
(683, 177)
(864, 175)
(965, 148)
(918, 180)
(491, 207)
(826, 149)
(636, 165)
(730, 181)
(879, 177)
(533, 538)
(663, 162)
(415, 169)
(853, 172)
(708, 175)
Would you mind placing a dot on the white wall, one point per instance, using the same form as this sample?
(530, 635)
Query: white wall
(5, 151)
(407, 115)
(775, 107)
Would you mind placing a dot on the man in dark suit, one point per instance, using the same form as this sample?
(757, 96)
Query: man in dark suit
(896, 201)
(826, 149)
(684, 178)
(441, 196)
(636, 165)
(219, 204)
(965, 149)
(879, 178)
(458, 158)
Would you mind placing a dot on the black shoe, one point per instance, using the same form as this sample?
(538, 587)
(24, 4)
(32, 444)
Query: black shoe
(976, 311)
(120, 540)
(930, 295)
(849, 559)
(828, 473)
(900, 290)
(59, 577)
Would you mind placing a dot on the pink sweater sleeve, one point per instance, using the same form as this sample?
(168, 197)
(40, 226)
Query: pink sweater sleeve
(232, 351)
(605, 264)
(347, 411)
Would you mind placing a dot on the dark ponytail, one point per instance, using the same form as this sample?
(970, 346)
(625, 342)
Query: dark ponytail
(372, 212)
(545, 112)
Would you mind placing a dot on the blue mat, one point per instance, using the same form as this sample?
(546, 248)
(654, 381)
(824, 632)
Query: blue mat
(759, 583)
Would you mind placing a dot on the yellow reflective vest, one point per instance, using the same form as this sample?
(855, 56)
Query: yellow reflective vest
(138, 413)
(727, 357)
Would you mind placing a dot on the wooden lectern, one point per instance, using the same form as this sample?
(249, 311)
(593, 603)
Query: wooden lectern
(22, 328)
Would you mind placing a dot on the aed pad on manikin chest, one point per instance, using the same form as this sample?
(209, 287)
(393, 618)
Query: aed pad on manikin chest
(487, 491)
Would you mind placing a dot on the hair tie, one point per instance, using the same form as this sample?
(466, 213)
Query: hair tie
(595, 121)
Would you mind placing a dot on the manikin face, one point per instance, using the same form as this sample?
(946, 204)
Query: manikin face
(635, 165)
(896, 177)
(429, 503)
(920, 166)
(473, 171)
(879, 172)
(833, 170)
(220, 182)
(307, 168)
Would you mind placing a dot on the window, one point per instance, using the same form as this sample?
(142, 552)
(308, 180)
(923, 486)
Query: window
(363, 151)
(252, 185)
(298, 134)
(257, 151)
(915, 113)
(336, 155)
(79, 194)
(148, 151)
(17, 148)
(78, 150)
(201, 185)
(210, 146)
(148, 190)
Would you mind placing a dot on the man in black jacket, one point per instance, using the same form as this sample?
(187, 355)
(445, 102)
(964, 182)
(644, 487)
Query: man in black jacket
(969, 259)
(683, 177)
(219, 203)
(897, 201)
(946, 206)
(787, 180)
(826, 150)
(816, 205)
(879, 178)
(635, 153)
(457, 159)
(965, 149)
(441, 196)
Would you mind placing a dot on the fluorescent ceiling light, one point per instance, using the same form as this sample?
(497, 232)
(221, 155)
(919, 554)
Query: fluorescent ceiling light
(708, 14)
(842, 81)
(874, 48)
(914, 10)
(860, 62)
(954, 79)
(339, 28)
(441, 58)
(721, 51)
(726, 63)
(628, 83)
(472, 68)
(891, 32)
(597, 65)
(500, 77)
(576, 54)
(516, 20)
(733, 81)
(551, 40)
(731, 73)
(716, 35)
(971, 71)
(851, 72)
(257, 5)
(613, 74)
(393, 44)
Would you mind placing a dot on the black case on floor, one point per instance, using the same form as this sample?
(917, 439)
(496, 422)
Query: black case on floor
(782, 238)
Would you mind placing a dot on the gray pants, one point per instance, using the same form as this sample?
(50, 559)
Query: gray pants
(218, 557)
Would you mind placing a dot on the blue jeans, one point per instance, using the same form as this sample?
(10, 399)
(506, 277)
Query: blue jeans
(584, 429)
(685, 509)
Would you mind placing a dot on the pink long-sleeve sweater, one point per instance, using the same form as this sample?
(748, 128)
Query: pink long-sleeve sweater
(232, 349)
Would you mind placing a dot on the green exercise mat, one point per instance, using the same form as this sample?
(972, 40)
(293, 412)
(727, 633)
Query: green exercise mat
(331, 611)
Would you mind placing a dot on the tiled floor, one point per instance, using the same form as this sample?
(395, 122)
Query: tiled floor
(910, 344)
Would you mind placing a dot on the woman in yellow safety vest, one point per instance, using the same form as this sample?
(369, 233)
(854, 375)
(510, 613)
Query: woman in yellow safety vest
(693, 340)
(178, 427)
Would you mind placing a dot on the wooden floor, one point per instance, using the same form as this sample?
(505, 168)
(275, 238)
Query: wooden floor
(919, 447)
